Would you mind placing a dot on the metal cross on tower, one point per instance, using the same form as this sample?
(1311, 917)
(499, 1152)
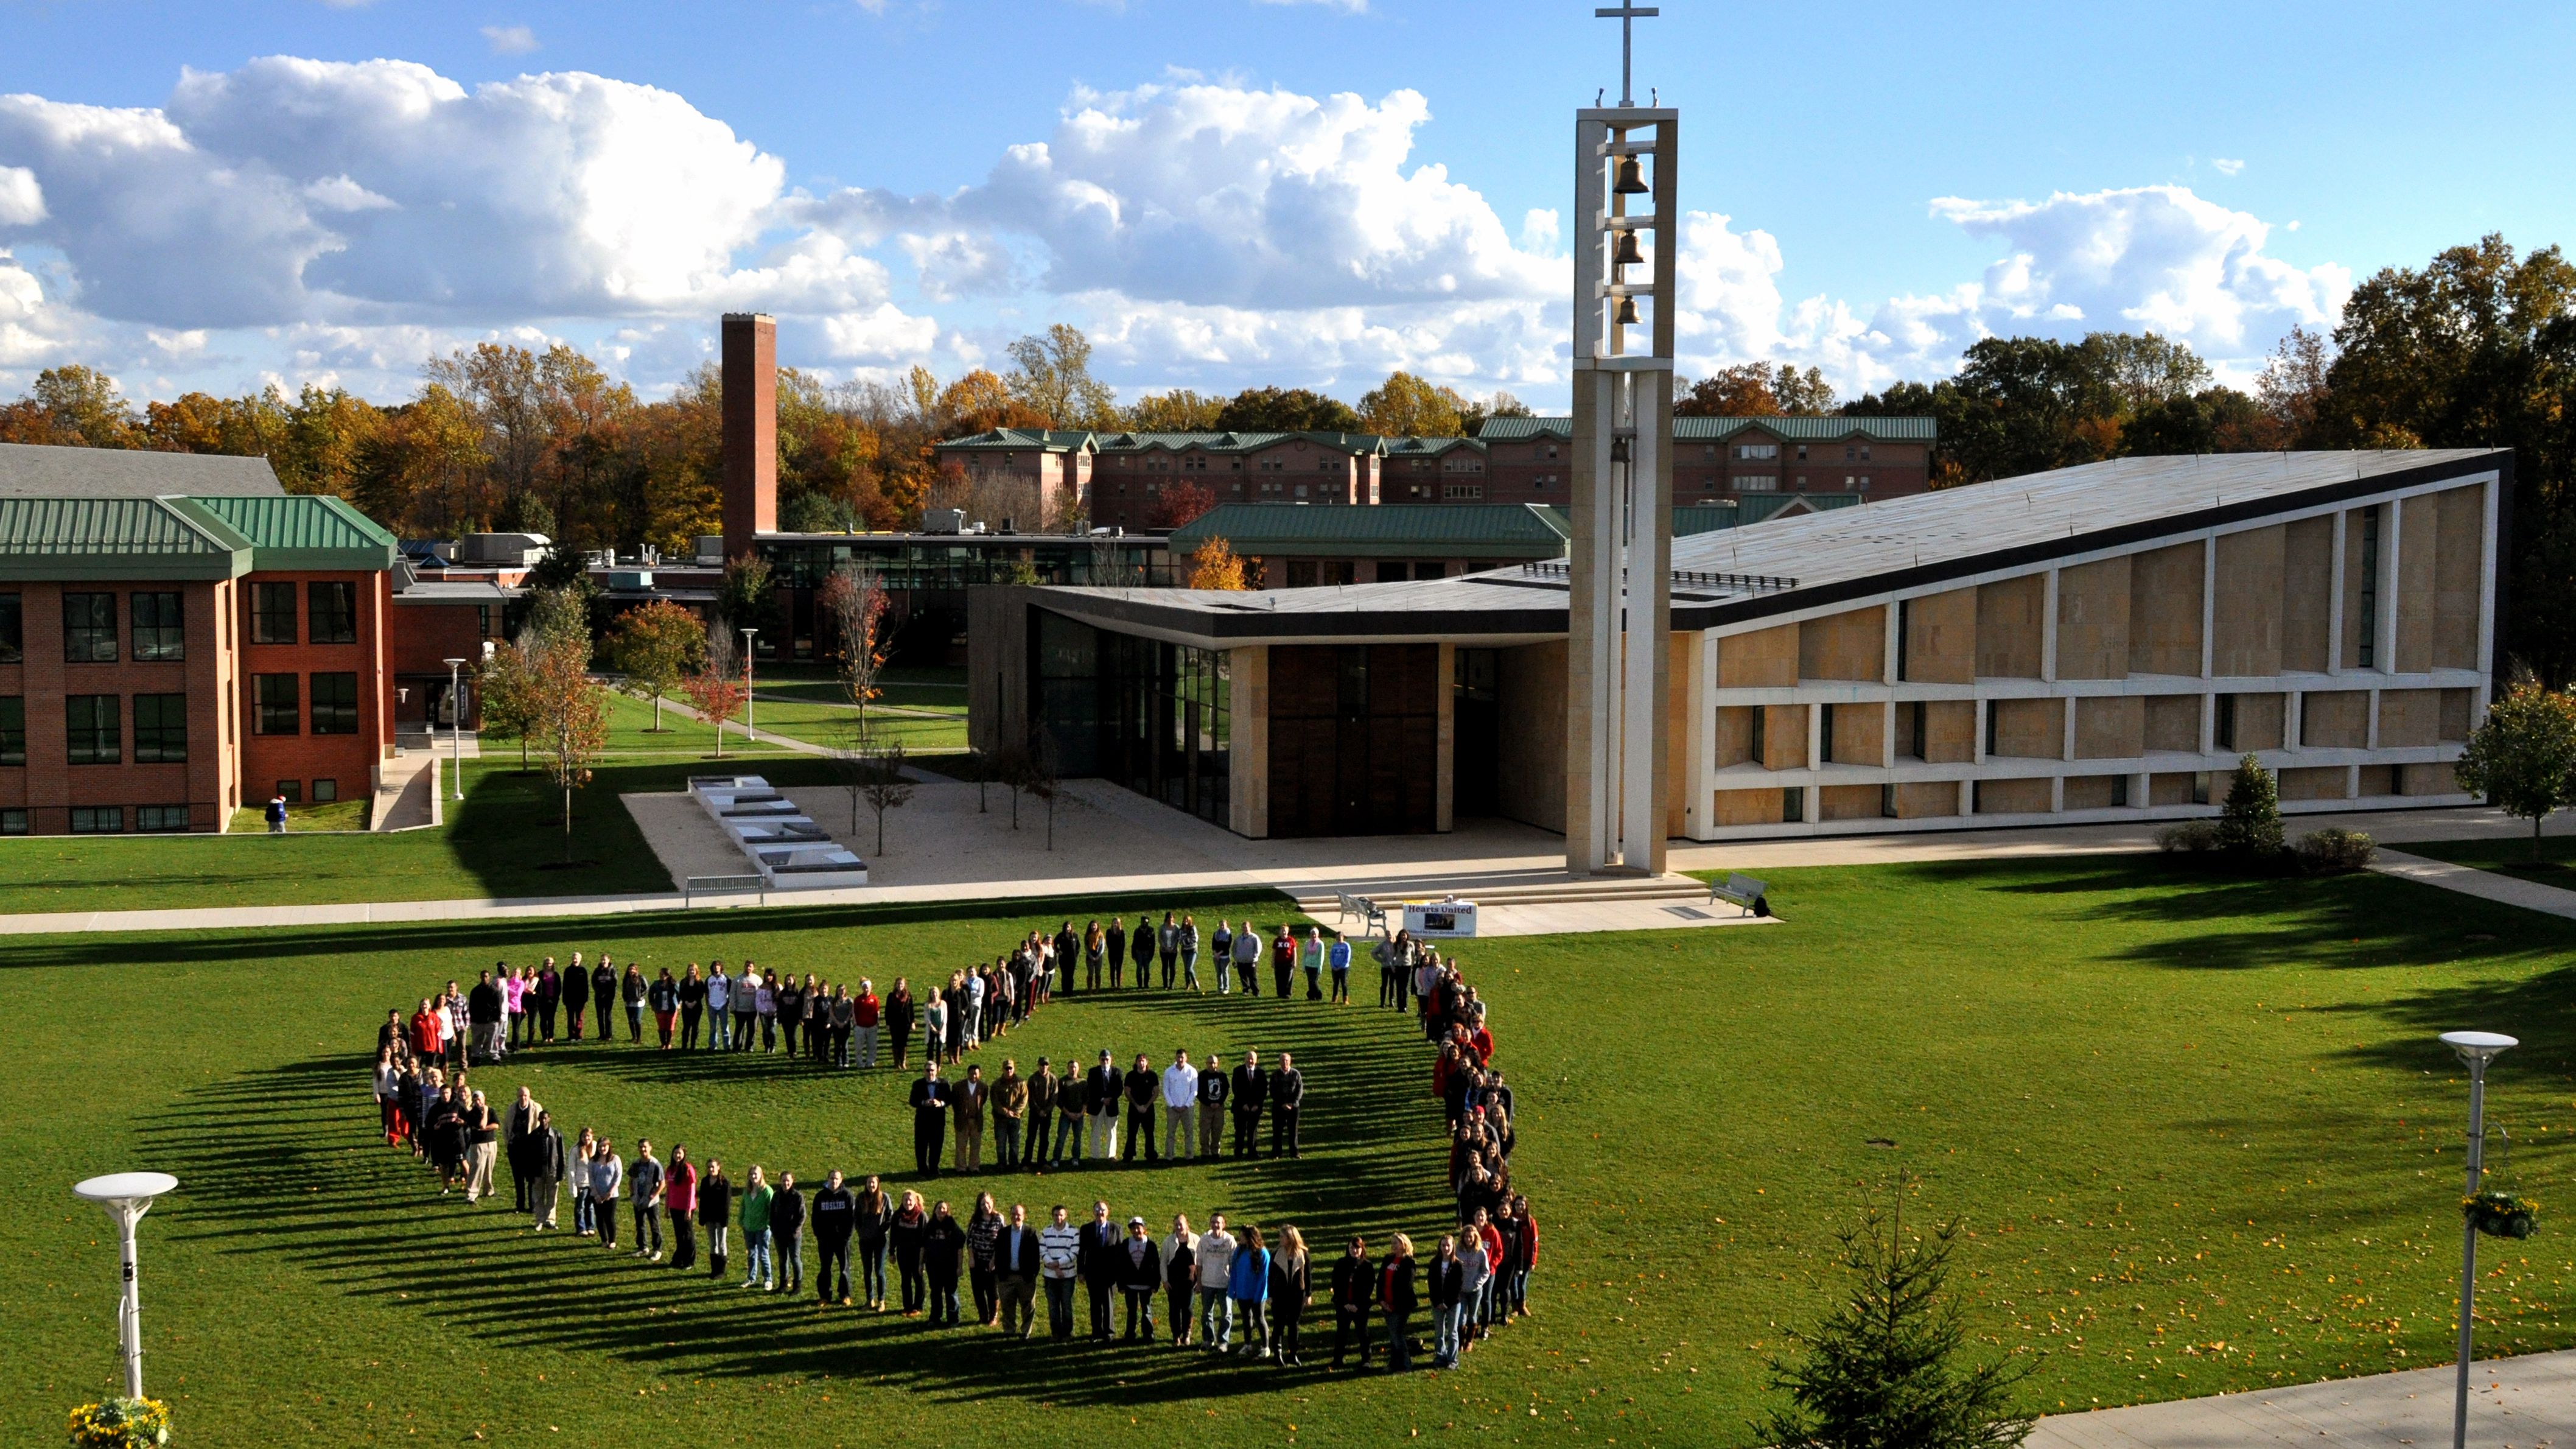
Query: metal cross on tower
(1626, 14)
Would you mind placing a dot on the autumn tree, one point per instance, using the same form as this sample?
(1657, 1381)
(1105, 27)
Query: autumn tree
(654, 647)
(1407, 406)
(1051, 375)
(1754, 390)
(1285, 410)
(569, 709)
(717, 688)
(1215, 566)
(1179, 503)
(1177, 411)
(854, 599)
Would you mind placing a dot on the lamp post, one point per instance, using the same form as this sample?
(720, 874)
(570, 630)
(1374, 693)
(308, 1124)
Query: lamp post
(750, 706)
(456, 722)
(126, 1197)
(2476, 1048)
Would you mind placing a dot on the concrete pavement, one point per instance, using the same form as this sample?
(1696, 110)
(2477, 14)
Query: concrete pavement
(2514, 1403)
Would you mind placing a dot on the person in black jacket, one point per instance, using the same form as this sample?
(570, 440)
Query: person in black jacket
(603, 995)
(1142, 943)
(1287, 1097)
(1354, 1289)
(1144, 1089)
(1117, 952)
(576, 994)
(1015, 1260)
(1447, 1282)
(715, 1214)
(543, 1150)
(1139, 1261)
(941, 1244)
(1096, 1263)
(874, 1215)
(929, 1118)
(835, 1215)
(693, 1007)
(1214, 1087)
(1068, 949)
(1251, 1089)
(787, 1233)
(1397, 1295)
(632, 990)
(663, 996)
(483, 1013)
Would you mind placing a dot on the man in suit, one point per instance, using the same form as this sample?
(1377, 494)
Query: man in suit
(929, 1118)
(1102, 1087)
(516, 1131)
(1142, 1086)
(1251, 1089)
(1096, 1261)
(1015, 1255)
(1287, 1096)
(1041, 1116)
(545, 1151)
(966, 1099)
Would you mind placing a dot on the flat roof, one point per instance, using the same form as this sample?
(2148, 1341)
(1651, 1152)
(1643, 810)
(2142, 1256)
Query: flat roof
(1518, 530)
(1814, 559)
(34, 470)
(1830, 429)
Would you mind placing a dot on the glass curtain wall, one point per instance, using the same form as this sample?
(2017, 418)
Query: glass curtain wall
(1148, 715)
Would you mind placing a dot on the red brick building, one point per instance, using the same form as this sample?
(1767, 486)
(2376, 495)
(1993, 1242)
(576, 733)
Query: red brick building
(1715, 459)
(165, 660)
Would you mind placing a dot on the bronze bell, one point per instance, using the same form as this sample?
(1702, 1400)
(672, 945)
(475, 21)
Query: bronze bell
(1626, 251)
(1627, 310)
(1632, 176)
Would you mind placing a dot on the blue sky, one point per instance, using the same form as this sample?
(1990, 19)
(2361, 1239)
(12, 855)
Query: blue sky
(1223, 192)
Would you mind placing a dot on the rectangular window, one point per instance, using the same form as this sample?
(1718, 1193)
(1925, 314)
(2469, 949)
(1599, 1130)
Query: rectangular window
(335, 704)
(1754, 736)
(1992, 731)
(1757, 450)
(291, 791)
(1864, 456)
(13, 729)
(1757, 482)
(13, 822)
(274, 698)
(2223, 732)
(92, 728)
(1793, 805)
(325, 791)
(272, 613)
(89, 628)
(334, 612)
(98, 820)
(1824, 734)
(1904, 634)
(1922, 712)
(2119, 789)
(1887, 802)
(2368, 623)
(160, 634)
(1864, 482)
(13, 629)
(160, 729)
(160, 817)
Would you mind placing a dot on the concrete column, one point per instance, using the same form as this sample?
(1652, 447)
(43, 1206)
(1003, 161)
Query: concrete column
(2334, 592)
(1445, 788)
(1248, 757)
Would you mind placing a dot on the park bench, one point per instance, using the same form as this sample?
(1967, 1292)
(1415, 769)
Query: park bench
(1372, 915)
(1741, 890)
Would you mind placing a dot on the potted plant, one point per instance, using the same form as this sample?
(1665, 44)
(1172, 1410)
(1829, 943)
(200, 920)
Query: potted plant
(121, 1423)
(2500, 1214)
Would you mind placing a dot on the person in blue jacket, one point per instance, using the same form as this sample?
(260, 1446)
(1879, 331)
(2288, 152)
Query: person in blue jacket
(1248, 1284)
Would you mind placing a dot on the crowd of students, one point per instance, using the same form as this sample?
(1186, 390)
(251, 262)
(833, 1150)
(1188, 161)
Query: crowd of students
(1217, 1284)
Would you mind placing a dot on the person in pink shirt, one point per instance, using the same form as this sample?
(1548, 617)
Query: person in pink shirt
(514, 1000)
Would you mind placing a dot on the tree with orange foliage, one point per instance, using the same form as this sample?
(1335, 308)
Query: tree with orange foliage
(1178, 505)
(1216, 566)
(717, 689)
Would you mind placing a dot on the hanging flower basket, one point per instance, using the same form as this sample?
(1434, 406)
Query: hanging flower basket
(2500, 1214)
(121, 1424)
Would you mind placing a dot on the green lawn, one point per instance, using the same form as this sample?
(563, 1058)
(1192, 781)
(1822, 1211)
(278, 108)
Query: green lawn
(338, 815)
(2198, 1131)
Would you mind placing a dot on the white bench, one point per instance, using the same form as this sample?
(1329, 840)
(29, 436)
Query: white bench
(1741, 890)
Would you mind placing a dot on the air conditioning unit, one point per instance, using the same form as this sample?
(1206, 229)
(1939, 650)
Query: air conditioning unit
(943, 520)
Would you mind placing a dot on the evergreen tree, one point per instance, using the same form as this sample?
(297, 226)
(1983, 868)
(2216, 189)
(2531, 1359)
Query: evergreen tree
(2250, 822)
(1881, 1371)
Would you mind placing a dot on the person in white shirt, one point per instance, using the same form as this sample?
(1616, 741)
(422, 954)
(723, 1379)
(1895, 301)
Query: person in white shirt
(1059, 1248)
(719, 1009)
(1216, 1271)
(1180, 1104)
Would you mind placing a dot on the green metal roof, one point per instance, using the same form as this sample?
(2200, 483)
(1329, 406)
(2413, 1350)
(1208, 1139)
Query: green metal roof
(1063, 441)
(1051, 440)
(305, 532)
(1402, 530)
(1711, 430)
(117, 538)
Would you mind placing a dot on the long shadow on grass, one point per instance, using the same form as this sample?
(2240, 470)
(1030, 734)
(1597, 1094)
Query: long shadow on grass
(284, 1161)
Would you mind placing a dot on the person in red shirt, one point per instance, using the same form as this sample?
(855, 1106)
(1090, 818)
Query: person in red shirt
(680, 1195)
(428, 1032)
(864, 1012)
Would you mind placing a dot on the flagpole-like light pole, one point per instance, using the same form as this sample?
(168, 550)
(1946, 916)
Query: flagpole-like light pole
(127, 1196)
(2476, 1049)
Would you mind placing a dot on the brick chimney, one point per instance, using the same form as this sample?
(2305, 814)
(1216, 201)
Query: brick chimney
(750, 373)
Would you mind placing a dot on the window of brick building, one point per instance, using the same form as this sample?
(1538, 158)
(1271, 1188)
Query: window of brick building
(160, 632)
(13, 629)
(160, 729)
(98, 820)
(13, 729)
(160, 817)
(335, 704)
(272, 613)
(13, 822)
(274, 698)
(92, 729)
(291, 791)
(89, 628)
(325, 791)
(334, 610)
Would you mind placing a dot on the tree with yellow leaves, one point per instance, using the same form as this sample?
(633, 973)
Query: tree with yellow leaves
(1215, 566)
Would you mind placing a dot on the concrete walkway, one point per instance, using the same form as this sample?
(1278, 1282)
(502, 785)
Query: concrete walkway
(2514, 1403)
(2486, 885)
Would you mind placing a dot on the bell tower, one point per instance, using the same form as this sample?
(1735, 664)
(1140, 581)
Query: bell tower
(1619, 575)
